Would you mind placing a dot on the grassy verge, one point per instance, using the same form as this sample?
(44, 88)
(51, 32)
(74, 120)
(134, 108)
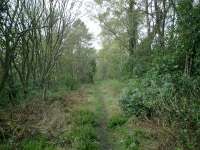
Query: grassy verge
(83, 133)
(34, 143)
(69, 122)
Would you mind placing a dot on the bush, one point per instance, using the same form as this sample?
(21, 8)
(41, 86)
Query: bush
(137, 99)
(173, 98)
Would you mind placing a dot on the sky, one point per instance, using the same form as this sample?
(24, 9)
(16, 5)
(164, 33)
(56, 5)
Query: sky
(88, 10)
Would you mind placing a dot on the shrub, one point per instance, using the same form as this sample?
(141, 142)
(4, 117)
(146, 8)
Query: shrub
(173, 98)
(137, 99)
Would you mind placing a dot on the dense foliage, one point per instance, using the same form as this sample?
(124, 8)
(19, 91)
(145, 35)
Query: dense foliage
(77, 64)
(151, 45)
(43, 45)
(161, 43)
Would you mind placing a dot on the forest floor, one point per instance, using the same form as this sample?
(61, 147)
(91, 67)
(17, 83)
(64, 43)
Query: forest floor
(86, 119)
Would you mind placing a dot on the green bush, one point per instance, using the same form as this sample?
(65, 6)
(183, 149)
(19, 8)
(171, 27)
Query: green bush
(164, 92)
(173, 98)
(137, 99)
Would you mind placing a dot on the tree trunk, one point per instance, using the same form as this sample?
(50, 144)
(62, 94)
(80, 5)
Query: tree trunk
(132, 33)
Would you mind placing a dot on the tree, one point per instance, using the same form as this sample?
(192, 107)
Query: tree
(79, 58)
(32, 35)
(189, 31)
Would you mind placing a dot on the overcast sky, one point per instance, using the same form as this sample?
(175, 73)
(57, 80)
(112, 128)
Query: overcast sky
(88, 11)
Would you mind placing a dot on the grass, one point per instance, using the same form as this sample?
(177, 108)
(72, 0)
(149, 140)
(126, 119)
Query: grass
(80, 132)
(85, 117)
(124, 134)
(34, 143)
(96, 108)
(83, 134)
(39, 143)
(117, 121)
(84, 138)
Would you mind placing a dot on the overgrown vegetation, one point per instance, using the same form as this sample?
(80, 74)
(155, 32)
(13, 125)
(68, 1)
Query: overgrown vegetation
(116, 121)
(44, 45)
(160, 42)
(152, 46)
(38, 143)
(83, 135)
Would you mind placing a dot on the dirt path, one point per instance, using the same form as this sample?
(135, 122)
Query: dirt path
(103, 131)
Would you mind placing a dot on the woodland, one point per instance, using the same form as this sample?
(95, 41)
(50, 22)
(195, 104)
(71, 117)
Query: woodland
(139, 91)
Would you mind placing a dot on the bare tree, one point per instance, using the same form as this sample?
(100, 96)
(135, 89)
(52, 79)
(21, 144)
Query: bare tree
(32, 35)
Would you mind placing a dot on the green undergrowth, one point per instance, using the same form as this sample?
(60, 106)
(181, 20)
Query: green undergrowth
(85, 121)
(117, 121)
(39, 143)
(132, 138)
(83, 134)
(99, 108)
(33, 143)
(124, 135)
(80, 132)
